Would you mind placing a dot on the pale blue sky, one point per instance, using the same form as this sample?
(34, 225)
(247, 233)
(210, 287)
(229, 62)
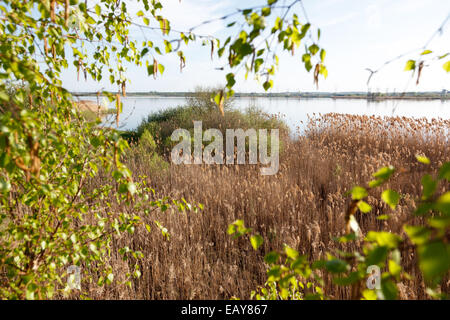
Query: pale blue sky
(357, 34)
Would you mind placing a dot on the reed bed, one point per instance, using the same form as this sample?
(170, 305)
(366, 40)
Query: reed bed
(302, 206)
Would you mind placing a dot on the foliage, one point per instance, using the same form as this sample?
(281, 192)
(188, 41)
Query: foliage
(416, 66)
(303, 206)
(54, 213)
(146, 152)
(377, 248)
(200, 107)
(50, 219)
(284, 269)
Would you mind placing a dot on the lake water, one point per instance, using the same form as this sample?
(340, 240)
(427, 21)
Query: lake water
(292, 110)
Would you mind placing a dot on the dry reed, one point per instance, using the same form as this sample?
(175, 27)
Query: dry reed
(302, 206)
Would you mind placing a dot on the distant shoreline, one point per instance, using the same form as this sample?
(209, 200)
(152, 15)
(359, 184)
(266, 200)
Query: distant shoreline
(444, 95)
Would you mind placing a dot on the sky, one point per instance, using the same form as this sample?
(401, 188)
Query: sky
(357, 34)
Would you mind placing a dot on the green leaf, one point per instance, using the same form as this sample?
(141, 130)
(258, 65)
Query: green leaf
(410, 65)
(444, 171)
(257, 64)
(231, 229)
(256, 241)
(423, 159)
(346, 238)
(238, 227)
(167, 46)
(230, 80)
(267, 85)
(394, 268)
(5, 186)
(429, 186)
(218, 97)
(346, 281)
(323, 71)
(305, 28)
(291, 253)
(313, 49)
(336, 266)
(391, 197)
(440, 222)
(377, 255)
(375, 183)
(384, 173)
(426, 52)
(160, 68)
(296, 37)
(364, 206)
(446, 66)
(30, 291)
(434, 260)
(306, 57)
(271, 257)
(369, 294)
(274, 273)
(396, 256)
(322, 54)
(265, 11)
(384, 238)
(299, 263)
(418, 234)
(4, 96)
(123, 188)
(318, 264)
(144, 52)
(358, 193)
(389, 290)
(423, 208)
(443, 203)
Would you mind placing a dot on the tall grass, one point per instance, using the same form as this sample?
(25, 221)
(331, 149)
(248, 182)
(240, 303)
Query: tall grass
(303, 206)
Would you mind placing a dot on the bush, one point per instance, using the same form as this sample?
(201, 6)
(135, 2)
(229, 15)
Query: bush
(145, 153)
(161, 124)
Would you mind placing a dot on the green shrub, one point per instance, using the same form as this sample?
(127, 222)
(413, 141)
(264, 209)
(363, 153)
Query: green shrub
(146, 151)
(161, 124)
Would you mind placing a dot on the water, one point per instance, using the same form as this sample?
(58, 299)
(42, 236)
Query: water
(292, 110)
